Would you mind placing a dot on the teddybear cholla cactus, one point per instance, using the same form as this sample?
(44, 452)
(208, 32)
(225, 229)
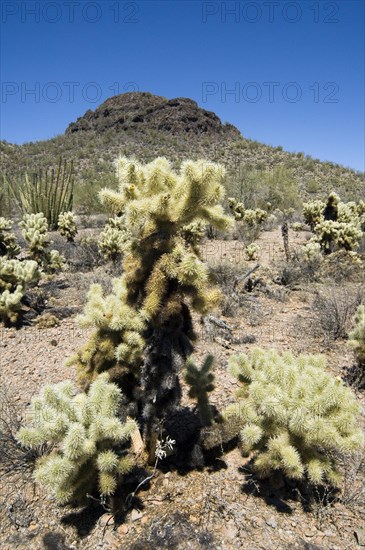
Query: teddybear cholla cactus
(294, 414)
(67, 225)
(8, 243)
(15, 278)
(113, 240)
(344, 235)
(164, 274)
(201, 383)
(35, 231)
(357, 336)
(90, 438)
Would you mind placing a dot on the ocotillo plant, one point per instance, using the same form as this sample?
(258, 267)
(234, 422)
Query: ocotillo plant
(201, 383)
(49, 191)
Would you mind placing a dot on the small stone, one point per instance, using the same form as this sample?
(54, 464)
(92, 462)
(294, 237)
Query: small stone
(311, 532)
(136, 514)
(272, 523)
(123, 529)
(32, 527)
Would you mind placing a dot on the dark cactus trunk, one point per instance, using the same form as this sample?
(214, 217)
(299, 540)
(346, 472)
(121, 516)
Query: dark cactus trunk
(166, 351)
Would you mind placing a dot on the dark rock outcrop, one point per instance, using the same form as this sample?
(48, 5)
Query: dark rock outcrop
(143, 112)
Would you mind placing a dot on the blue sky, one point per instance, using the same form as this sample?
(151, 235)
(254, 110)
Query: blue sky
(285, 73)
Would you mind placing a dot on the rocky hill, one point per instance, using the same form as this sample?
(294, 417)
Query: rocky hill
(145, 126)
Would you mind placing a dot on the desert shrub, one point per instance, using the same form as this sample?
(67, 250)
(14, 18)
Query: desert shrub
(49, 191)
(255, 188)
(304, 265)
(297, 226)
(67, 225)
(294, 415)
(35, 232)
(343, 266)
(13, 457)
(89, 436)
(9, 246)
(334, 308)
(88, 256)
(86, 191)
(15, 277)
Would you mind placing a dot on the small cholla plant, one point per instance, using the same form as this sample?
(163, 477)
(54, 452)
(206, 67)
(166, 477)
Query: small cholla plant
(297, 226)
(238, 208)
(9, 246)
(357, 336)
(250, 217)
(311, 251)
(201, 383)
(35, 231)
(252, 251)
(15, 277)
(313, 212)
(67, 226)
(90, 438)
(294, 415)
(113, 240)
